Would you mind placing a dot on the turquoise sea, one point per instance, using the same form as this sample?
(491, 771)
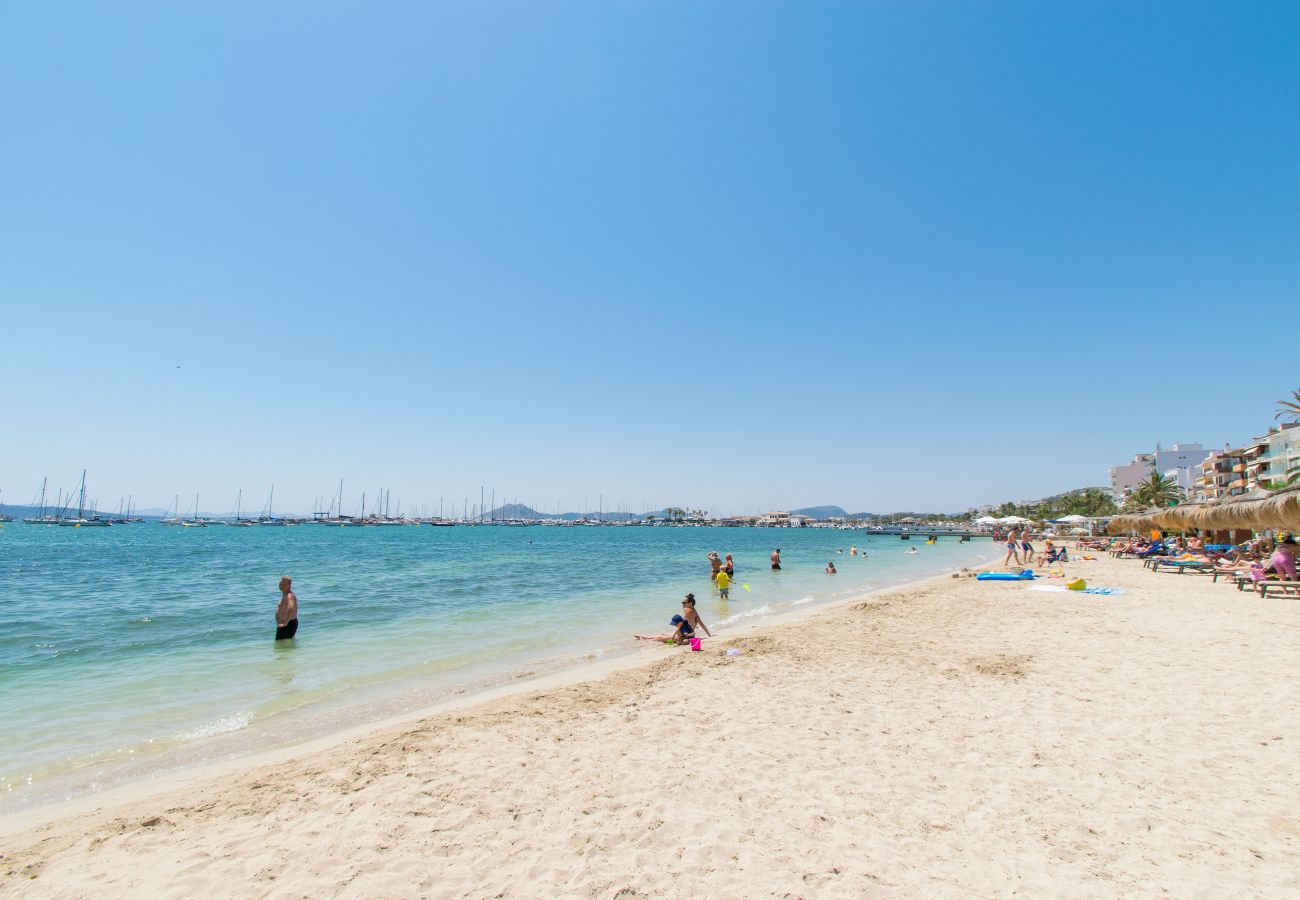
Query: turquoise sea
(139, 649)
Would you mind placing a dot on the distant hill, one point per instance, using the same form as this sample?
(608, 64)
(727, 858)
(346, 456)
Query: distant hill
(521, 511)
(821, 512)
(28, 512)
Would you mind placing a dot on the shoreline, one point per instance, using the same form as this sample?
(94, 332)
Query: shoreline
(947, 738)
(579, 672)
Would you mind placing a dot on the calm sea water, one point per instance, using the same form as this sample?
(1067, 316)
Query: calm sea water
(132, 650)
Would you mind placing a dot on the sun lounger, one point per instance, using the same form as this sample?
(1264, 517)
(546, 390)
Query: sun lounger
(1231, 574)
(1278, 588)
(1182, 565)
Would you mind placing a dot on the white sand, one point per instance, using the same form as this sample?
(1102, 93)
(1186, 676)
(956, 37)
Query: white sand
(950, 739)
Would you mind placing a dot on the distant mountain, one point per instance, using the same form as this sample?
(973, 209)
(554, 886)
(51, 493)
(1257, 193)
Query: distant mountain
(521, 511)
(821, 512)
(31, 512)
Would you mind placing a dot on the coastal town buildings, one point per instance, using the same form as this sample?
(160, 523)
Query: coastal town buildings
(1221, 474)
(1180, 463)
(1269, 457)
(1125, 479)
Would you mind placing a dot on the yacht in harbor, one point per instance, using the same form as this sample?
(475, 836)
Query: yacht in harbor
(44, 518)
(82, 520)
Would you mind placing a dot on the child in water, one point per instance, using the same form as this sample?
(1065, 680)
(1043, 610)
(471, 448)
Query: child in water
(724, 583)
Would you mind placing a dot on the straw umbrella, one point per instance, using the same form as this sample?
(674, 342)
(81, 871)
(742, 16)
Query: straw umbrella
(1255, 511)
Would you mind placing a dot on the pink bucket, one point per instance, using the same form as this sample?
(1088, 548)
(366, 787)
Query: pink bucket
(696, 644)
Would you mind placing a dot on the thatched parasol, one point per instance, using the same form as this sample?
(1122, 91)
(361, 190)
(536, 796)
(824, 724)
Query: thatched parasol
(1134, 521)
(1256, 510)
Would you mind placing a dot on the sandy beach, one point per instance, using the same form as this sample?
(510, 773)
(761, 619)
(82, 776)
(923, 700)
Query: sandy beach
(951, 738)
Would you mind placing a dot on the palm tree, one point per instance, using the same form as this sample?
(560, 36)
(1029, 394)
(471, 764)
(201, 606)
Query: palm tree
(1157, 491)
(1289, 409)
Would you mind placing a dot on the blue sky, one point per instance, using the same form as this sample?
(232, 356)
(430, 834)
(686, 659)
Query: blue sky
(730, 255)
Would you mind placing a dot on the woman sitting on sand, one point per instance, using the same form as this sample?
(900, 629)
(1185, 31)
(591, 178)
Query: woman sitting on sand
(682, 633)
(685, 624)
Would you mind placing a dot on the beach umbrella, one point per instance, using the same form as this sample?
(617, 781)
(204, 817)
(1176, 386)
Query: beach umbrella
(1073, 517)
(1014, 520)
(987, 520)
(1255, 511)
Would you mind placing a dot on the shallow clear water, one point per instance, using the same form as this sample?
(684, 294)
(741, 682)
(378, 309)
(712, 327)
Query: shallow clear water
(128, 650)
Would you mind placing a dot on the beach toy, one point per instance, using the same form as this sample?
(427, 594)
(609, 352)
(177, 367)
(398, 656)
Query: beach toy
(745, 586)
(1027, 575)
(1077, 585)
(696, 644)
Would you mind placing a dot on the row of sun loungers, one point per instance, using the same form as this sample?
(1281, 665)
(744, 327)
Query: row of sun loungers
(1243, 579)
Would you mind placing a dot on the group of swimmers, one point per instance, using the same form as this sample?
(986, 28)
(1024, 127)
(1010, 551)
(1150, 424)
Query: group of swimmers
(722, 571)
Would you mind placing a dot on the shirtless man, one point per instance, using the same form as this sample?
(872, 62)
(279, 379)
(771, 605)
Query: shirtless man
(286, 614)
(776, 559)
(715, 563)
(1013, 547)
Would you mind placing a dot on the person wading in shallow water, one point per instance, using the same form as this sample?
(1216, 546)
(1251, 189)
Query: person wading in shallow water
(286, 614)
(776, 558)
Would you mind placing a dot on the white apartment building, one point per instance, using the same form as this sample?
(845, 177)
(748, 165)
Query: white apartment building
(1125, 479)
(1181, 463)
(1270, 456)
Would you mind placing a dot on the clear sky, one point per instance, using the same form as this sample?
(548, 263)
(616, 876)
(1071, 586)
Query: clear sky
(737, 256)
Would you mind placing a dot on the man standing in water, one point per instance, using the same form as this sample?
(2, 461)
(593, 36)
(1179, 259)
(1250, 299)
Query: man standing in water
(286, 614)
(776, 559)
(715, 564)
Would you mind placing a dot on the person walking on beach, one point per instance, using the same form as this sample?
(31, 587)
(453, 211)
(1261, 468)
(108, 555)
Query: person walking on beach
(286, 614)
(776, 559)
(1026, 546)
(1284, 557)
(1013, 548)
(724, 584)
(715, 563)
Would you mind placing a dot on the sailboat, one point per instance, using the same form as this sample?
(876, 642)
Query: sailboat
(268, 517)
(239, 521)
(339, 520)
(44, 518)
(81, 521)
(175, 517)
(3, 517)
(195, 522)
